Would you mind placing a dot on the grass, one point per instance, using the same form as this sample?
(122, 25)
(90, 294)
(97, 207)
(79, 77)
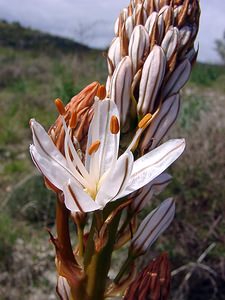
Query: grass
(7, 237)
(206, 74)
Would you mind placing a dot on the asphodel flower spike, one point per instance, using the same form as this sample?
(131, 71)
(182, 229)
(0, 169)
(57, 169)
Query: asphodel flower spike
(157, 39)
(103, 176)
(103, 154)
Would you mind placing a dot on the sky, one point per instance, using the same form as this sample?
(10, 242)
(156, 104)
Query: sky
(92, 22)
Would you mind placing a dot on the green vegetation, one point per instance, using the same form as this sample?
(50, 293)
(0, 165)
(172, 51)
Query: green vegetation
(206, 74)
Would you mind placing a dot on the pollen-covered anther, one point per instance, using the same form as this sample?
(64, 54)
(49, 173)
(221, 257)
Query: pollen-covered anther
(114, 125)
(73, 120)
(94, 147)
(101, 92)
(60, 106)
(144, 121)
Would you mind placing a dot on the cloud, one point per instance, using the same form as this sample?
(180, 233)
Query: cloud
(212, 26)
(92, 21)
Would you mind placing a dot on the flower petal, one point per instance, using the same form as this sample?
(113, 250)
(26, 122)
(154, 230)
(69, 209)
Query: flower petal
(76, 200)
(152, 164)
(55, 172)
(115, 180)
(152, 226)
(100, 161)
(63, 288)
(44, 144)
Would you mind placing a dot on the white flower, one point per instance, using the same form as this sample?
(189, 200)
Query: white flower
(104, 176)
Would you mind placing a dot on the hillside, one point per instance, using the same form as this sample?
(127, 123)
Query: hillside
(15, 36)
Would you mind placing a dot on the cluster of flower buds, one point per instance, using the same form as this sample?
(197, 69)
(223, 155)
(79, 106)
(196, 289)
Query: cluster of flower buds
(150, 60)
(78, 113)
(153, 282)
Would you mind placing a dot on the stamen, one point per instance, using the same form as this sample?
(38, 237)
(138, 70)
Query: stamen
(114, 125)
(144, 121)
(73, 120)
(68, 146)
(94, 147)
(60, 106)
(101, 92)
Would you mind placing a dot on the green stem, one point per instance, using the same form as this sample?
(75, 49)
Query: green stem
(80, 234)
(99, 264)
(123, 269)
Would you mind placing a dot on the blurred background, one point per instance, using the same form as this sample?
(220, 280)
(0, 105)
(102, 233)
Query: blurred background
(54, 48)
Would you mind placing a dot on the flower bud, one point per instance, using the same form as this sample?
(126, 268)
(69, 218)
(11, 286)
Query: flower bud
(121, 87)
(151, 80)
(129, 26)
(177, 79)
(149, 25)
(143, 196)
(152, 226)
(138, 47)
(114, 55)
(153, 282)
(116, 27)
(170, 42)
(185, 34)
(161, 124)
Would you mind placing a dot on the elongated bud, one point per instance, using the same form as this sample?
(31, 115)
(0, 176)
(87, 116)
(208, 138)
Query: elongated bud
(161, 27)
(151, 80)
(121, 87)
(138, 47)
(152, 226)
(177, 79)
(170, 42)
(143, 197)
(150, 23)
(129, 26)
(185, 34)
(161, 124)
(114, 55)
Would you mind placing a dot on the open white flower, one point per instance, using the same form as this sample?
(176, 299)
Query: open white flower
(104, 176)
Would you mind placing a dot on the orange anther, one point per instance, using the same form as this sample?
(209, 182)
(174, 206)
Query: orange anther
(94, 147)
(60, 106)
(101, 92)
(144, 121)
(114, 125)
(73, 120)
